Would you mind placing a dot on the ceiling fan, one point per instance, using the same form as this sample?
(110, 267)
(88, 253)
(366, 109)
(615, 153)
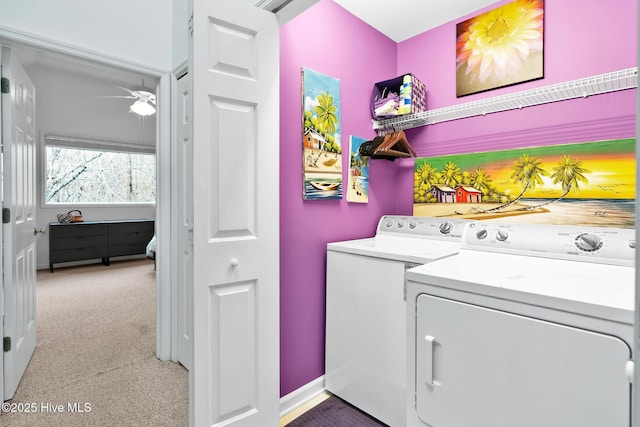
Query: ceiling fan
(145, 99)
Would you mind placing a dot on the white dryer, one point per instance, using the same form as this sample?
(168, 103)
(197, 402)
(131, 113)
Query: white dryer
(365, 358)
(528, 325)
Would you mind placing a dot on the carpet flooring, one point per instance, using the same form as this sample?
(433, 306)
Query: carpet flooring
(335, 412)
(96, 353)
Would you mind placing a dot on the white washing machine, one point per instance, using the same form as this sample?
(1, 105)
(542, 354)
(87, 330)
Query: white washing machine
(365, 358)
(528, 325)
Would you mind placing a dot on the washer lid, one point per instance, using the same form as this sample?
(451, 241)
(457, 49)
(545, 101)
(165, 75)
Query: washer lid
(405, 249)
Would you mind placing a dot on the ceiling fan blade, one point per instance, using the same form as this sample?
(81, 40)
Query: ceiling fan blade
(132, 93)
(113, 96)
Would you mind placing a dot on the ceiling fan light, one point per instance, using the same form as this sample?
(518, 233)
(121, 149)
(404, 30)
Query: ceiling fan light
(142, 108)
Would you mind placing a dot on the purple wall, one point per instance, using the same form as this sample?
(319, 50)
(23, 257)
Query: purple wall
(329, 40)
(593, 38)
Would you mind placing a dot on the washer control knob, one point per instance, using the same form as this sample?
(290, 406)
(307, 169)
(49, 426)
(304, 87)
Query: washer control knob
(388, 223)
(413, 225)
(502, 235)
(481, 234)
(445, 227)
(589, 242)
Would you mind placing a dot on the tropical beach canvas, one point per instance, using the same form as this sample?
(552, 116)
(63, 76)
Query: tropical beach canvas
(589, 184)
(358, 185)
(321, 145)
(501, 47)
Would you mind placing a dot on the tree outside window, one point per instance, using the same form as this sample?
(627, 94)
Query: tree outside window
(79, 175)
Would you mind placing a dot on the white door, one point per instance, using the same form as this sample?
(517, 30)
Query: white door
(19, 174)
(184, 154)
(234, 62)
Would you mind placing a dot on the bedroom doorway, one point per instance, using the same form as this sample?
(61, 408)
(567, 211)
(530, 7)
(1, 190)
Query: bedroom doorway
(74, 63)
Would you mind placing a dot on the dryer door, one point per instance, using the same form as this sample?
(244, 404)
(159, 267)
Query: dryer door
(482, 367)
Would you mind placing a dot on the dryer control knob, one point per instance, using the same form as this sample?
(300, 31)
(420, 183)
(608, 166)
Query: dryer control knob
(389, 223)
(413, 225)
(502, 235)
(400, 224)
(589, 242)
(481, 234)
(446, 227)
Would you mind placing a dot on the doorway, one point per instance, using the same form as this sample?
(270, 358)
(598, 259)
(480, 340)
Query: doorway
(81, 71)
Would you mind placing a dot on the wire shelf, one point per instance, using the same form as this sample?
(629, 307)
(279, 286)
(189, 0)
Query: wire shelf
(581, 88)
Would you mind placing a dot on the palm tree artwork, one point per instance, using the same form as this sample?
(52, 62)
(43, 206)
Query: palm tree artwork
(322, 148)
(528, 173)
(480, 180)
(569, 173)
(358, 185)
(452, 175)
(591, 183)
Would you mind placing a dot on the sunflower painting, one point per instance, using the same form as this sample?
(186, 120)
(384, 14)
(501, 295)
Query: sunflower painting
(501, 47)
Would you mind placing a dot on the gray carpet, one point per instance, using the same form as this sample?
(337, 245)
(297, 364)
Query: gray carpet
(335, 412)
(96, 346)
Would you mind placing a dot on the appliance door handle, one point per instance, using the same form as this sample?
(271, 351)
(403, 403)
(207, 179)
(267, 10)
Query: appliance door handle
(429, 349)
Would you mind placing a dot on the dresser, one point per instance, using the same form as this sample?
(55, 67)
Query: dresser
(98, 240)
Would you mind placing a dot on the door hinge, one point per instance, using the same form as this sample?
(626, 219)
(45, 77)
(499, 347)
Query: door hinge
(6, 344)
(5, 85)
(191, 25)
(6, 215)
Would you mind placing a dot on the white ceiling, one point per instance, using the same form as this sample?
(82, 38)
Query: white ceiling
(397, 19)
(402, 19)
(116, 76)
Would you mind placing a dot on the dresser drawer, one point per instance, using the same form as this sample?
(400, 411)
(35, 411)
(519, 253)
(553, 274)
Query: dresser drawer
(78, 242)
(77, 230)
(78, 254)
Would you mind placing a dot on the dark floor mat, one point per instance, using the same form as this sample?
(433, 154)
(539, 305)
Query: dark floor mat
(335, 412)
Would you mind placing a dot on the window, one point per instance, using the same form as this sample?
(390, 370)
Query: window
(82, 172)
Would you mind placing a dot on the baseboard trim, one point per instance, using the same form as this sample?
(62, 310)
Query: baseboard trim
(301, 396)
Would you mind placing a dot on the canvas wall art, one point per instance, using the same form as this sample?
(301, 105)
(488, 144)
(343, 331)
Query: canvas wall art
(358, 185)
(321, 146)
(501, 47)
(590, 184)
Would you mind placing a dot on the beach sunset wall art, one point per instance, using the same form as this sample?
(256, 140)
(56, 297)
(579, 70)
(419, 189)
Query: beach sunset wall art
(358, 185)
(589, 184)
(321, 145)
(501, 47)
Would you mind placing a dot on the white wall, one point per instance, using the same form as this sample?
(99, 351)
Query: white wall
(65, 106)
(180, 32)
(63, 109)
(138, 32)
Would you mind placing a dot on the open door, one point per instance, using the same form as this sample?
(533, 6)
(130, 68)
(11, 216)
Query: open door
(234, 64)
(19, 228)
(184, 170)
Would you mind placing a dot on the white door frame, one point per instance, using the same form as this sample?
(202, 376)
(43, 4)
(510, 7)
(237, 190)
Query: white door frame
(163, 151)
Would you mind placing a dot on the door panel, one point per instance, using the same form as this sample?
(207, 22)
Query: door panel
(507, 370)
(19, 139)
(185, 219)
(234, 66)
